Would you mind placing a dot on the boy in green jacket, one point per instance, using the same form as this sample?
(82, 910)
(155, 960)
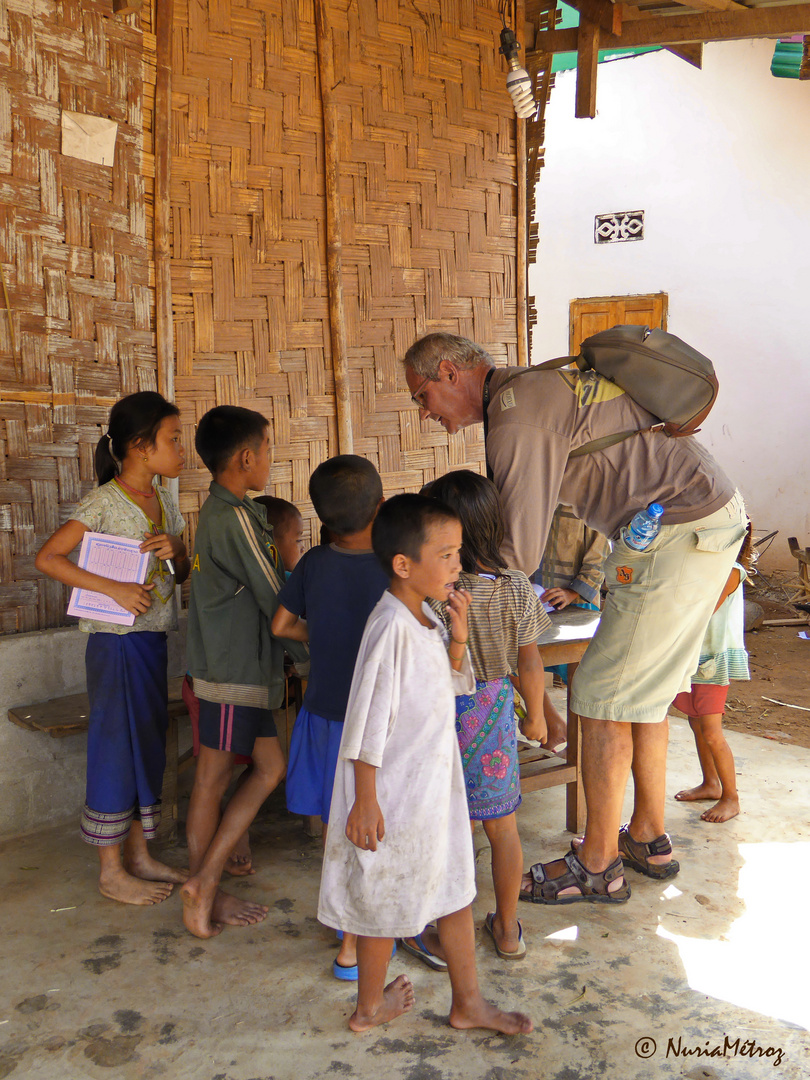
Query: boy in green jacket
(236, 664)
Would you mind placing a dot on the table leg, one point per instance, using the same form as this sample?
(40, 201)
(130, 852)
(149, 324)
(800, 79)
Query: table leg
(574, 792)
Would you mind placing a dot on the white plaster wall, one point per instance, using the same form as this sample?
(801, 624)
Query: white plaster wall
(41, 778)
(719, 160)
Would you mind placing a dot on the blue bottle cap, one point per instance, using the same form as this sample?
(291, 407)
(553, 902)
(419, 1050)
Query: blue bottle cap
(655, 510)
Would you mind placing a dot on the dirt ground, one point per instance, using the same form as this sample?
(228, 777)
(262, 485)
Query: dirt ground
(779, 660)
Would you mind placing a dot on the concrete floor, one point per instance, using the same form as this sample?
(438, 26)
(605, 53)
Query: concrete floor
(92, 989)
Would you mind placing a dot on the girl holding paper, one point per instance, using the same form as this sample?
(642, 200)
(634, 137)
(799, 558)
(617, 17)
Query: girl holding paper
(126, 658)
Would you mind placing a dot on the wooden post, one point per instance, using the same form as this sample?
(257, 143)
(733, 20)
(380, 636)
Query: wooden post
(164, 329)
(587, 64)
(334, 236)
(522, 239)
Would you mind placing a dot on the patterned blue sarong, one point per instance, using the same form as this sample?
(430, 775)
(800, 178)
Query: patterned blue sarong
(127, 685)
(485, 725)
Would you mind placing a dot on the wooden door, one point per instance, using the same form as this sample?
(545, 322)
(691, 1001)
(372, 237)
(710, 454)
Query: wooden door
(595, 313)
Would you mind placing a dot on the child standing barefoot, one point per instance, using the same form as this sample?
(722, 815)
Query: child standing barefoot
(505, 621)
(722, 657)
(127, 665)
(399, 850)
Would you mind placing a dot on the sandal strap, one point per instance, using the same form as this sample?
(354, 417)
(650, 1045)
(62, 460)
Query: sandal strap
(593, 883)
(661, 845)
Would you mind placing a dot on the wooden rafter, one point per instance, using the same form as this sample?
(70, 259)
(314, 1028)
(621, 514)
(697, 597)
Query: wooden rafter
(587, 64)
(677, 29)
(692, 54)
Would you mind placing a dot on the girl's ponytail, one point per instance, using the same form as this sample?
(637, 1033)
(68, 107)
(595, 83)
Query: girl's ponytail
(134, 420)
(104, 461)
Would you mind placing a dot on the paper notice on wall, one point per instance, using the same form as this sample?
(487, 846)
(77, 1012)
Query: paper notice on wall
(91, 138)
(115, 557)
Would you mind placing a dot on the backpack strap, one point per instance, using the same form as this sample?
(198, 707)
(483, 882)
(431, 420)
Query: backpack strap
(587, 448)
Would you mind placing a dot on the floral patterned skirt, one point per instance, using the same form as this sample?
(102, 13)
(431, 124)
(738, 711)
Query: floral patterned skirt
(485, 725)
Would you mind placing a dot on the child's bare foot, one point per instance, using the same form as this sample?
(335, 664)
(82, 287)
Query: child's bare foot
(727, 808)
(141, 865)
(398, 998)
(240, 861)
(198, 903)
(483, 1014)
(235, 912)
(117, 884)
(700, 793)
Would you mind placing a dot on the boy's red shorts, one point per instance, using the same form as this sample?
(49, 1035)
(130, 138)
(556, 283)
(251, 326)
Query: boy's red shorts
(704, 699)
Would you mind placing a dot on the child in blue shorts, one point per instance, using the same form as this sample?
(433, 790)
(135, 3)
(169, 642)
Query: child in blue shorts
(326, 601)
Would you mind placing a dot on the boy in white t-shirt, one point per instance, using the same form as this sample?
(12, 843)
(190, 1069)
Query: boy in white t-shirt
(399, 849)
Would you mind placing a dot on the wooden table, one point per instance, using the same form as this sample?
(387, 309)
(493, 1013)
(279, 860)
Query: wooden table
(565, 643)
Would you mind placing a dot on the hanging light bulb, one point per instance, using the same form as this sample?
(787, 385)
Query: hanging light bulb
(518, 81)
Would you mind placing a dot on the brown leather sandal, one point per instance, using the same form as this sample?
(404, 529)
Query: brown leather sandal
(593, 887)
(636, 855)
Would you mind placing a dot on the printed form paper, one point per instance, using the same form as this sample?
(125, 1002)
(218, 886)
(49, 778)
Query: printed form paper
(114, 557)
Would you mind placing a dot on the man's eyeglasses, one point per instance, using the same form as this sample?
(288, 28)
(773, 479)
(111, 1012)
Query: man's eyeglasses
(415, 395)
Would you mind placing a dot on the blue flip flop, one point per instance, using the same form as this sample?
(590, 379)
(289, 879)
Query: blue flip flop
(350, 974)
(423, 953)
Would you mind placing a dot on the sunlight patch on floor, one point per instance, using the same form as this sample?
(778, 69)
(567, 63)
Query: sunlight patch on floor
(761, 965)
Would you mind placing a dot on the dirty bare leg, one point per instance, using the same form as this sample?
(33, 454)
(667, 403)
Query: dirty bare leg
(376, 1002)
(469, 1009)
(710, 786)
(205, 905)
(140, 864)
(116, 883)
(507, 871)
(728, 806)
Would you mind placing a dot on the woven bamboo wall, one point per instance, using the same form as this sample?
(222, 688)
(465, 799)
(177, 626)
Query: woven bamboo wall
(74, 256)
(427, 164)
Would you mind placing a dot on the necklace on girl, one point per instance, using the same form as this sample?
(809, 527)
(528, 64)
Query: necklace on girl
(128, 487)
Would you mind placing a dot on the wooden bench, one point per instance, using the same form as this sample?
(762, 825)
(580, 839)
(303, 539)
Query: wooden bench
(68, 715)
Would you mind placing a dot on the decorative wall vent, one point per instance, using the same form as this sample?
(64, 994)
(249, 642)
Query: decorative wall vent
(616, 228)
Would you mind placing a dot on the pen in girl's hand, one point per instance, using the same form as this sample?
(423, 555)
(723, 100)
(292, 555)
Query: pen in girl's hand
(169, 563)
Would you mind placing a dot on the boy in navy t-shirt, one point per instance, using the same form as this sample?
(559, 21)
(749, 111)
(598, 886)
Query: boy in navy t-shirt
(327, 601)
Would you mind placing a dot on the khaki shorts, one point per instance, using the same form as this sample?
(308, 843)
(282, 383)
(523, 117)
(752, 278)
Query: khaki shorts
(659, 603)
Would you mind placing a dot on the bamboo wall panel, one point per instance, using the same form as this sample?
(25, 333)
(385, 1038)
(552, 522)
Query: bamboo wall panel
(74, 256)
(426, 168)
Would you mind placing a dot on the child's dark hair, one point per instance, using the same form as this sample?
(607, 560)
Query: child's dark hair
(279, 512)
(478, 505)
(345, 491)
(401, 527)
(226, 430)
(134, 419)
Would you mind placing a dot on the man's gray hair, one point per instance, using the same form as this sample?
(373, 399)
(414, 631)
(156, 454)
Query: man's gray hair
(425, 355)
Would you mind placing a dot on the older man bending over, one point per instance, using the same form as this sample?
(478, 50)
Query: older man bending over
(659, 600)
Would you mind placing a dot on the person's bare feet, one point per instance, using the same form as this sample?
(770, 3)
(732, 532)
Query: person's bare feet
(142, 865)
(700, 793)
(398, 998)
(117, 884)
(235, 912)
(240, 861)
(483, 1014)
(727, 808)
(198, 902)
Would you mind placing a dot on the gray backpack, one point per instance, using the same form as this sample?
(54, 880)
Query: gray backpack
(661, 373)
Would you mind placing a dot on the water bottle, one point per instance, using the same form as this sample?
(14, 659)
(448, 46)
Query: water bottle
(644, 527)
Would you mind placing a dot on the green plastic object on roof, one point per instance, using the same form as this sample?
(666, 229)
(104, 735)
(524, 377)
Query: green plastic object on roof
(567, 61)
(787, 59)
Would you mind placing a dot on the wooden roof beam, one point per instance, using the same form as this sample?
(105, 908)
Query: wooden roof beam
(607, 16)
(587, 65)
(674, 29)
(692, 54)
